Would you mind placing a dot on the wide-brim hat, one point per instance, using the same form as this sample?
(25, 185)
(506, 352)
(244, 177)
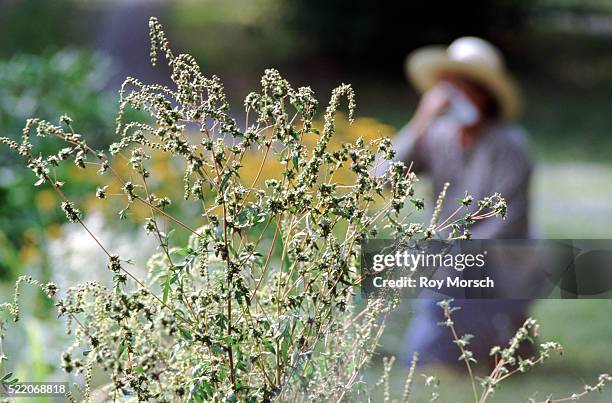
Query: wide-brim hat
(474, 58)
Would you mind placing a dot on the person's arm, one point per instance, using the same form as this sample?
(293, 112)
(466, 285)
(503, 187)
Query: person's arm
(408, 147)
(409, 143)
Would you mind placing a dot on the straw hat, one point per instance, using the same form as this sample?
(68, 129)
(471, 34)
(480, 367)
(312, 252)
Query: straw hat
(473, 58)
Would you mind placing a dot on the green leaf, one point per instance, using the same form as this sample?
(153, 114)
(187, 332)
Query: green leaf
(205, 387)
(224, 181)
(269, 346)
(167, 286)
(186, 334)
(6, 377)
(184, 251)
(122, 349)
(232, 250)
(123, 214)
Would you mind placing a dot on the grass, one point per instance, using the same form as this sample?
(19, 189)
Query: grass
(578, 191)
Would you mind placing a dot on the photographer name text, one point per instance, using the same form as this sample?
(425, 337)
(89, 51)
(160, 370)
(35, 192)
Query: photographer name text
(425, 282)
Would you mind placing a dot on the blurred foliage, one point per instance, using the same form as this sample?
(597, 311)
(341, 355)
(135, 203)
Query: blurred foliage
(356, 34)
(66, 81)
(33, 26)
(376, 33)
(359, 33)
(235, 35)
(576, 6)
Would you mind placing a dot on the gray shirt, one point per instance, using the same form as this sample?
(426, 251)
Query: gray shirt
(498, 162)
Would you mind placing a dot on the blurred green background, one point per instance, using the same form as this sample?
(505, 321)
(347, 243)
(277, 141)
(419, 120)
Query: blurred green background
(70, 56)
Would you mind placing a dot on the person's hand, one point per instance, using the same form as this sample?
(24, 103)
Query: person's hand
(431, 105)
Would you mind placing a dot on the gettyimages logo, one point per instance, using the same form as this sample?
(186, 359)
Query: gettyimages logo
(412, 261)
(492, 269)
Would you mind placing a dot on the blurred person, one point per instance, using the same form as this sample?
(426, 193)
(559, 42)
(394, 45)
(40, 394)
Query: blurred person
(463, 133)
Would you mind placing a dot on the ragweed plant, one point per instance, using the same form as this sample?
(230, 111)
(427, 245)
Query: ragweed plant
(508, 360)
(260, 303)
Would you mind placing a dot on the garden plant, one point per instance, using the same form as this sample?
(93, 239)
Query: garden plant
(256, 296)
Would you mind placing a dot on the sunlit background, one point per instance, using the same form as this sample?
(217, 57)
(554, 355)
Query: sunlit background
(70, 56)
